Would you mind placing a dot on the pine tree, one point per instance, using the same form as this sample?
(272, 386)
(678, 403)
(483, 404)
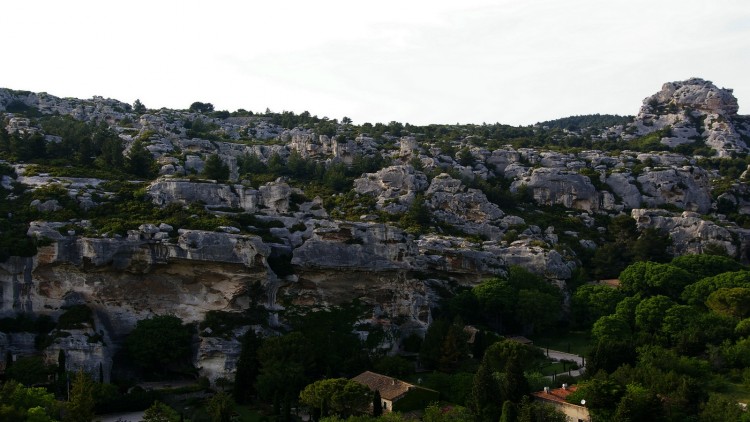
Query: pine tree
(215, 168)
(140, 161)
(138, 107)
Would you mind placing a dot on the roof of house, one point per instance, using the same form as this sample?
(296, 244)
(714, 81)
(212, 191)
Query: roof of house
(521, 339)
(390, 388)
(557, 395)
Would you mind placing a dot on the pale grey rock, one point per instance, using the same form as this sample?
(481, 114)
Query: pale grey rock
(149, 229)
(364, 246)
(688, 188)
(685, 107)
(690, 234)
(555, 186)
(408, 147)
(194, 164)
(623, 185)
(168, 191)
(217, 357)
(6, 182)
(467, 209)
(587, 243)
(394, 187)
(274, 197)
(516, 171)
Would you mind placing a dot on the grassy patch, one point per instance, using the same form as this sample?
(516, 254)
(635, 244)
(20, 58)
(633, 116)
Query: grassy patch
(246, 414)
(737, 392)
(577, 342)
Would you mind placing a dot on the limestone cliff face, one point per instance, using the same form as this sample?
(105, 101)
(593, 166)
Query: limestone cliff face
(125, 280)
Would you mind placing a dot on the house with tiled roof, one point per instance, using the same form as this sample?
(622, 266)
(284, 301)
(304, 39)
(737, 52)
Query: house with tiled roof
(397, 395)
(557, 398)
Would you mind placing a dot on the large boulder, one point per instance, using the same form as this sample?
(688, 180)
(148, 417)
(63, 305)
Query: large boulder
(394, 187)
(553, 186)
(687, 187)
(690, 234)
(467, 209)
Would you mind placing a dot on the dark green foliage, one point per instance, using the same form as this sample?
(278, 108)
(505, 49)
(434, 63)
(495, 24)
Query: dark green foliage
(160, 412)
(521, 302)
(721, 409)
(591, 302)
(29, 370)
(394, 366)
(199, 128)
(341, 396)
(534, 411)
(649, 278)
(454, 348)
(283, 362)
(21, 403)
(220, 407)
(138, 107)
(485, 393)
(199, 107)
(697, 293)
(587, 121)
(81, 405)
(513, 384)
(510, 412)
(331, 344)
(76, 316)
(160, 344)
(247, 368)
(140, 162)
(215, 168)
(430, 351)
(702, 266)
(251, 164)
(27, 323)
(377, 404)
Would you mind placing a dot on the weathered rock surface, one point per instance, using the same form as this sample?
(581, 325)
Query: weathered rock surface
(552, 186)
(690, 233)
(466, 209)
(395, 187)
(694, 110)
(688, 188)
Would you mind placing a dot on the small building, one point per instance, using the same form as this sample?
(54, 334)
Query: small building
(556, 397)
(397, 395)
(522, 340)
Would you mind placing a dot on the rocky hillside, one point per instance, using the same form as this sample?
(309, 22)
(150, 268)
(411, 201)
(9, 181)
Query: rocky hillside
(135, 212)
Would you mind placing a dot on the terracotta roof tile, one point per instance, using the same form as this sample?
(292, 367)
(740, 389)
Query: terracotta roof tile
(557, 395)
(390, 388)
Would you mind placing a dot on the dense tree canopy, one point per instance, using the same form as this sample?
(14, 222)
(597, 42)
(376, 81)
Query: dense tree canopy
(160, 343)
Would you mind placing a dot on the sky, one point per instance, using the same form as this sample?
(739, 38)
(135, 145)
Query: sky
(422, 62)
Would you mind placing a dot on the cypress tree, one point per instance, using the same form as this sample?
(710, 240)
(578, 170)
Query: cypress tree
(377, 405)
(510, 412)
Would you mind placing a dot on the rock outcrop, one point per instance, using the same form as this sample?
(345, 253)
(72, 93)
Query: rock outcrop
(552, 186)
(694, 110)
(692, 234)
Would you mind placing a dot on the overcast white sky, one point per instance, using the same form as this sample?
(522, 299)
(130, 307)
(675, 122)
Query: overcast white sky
(470, 61)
